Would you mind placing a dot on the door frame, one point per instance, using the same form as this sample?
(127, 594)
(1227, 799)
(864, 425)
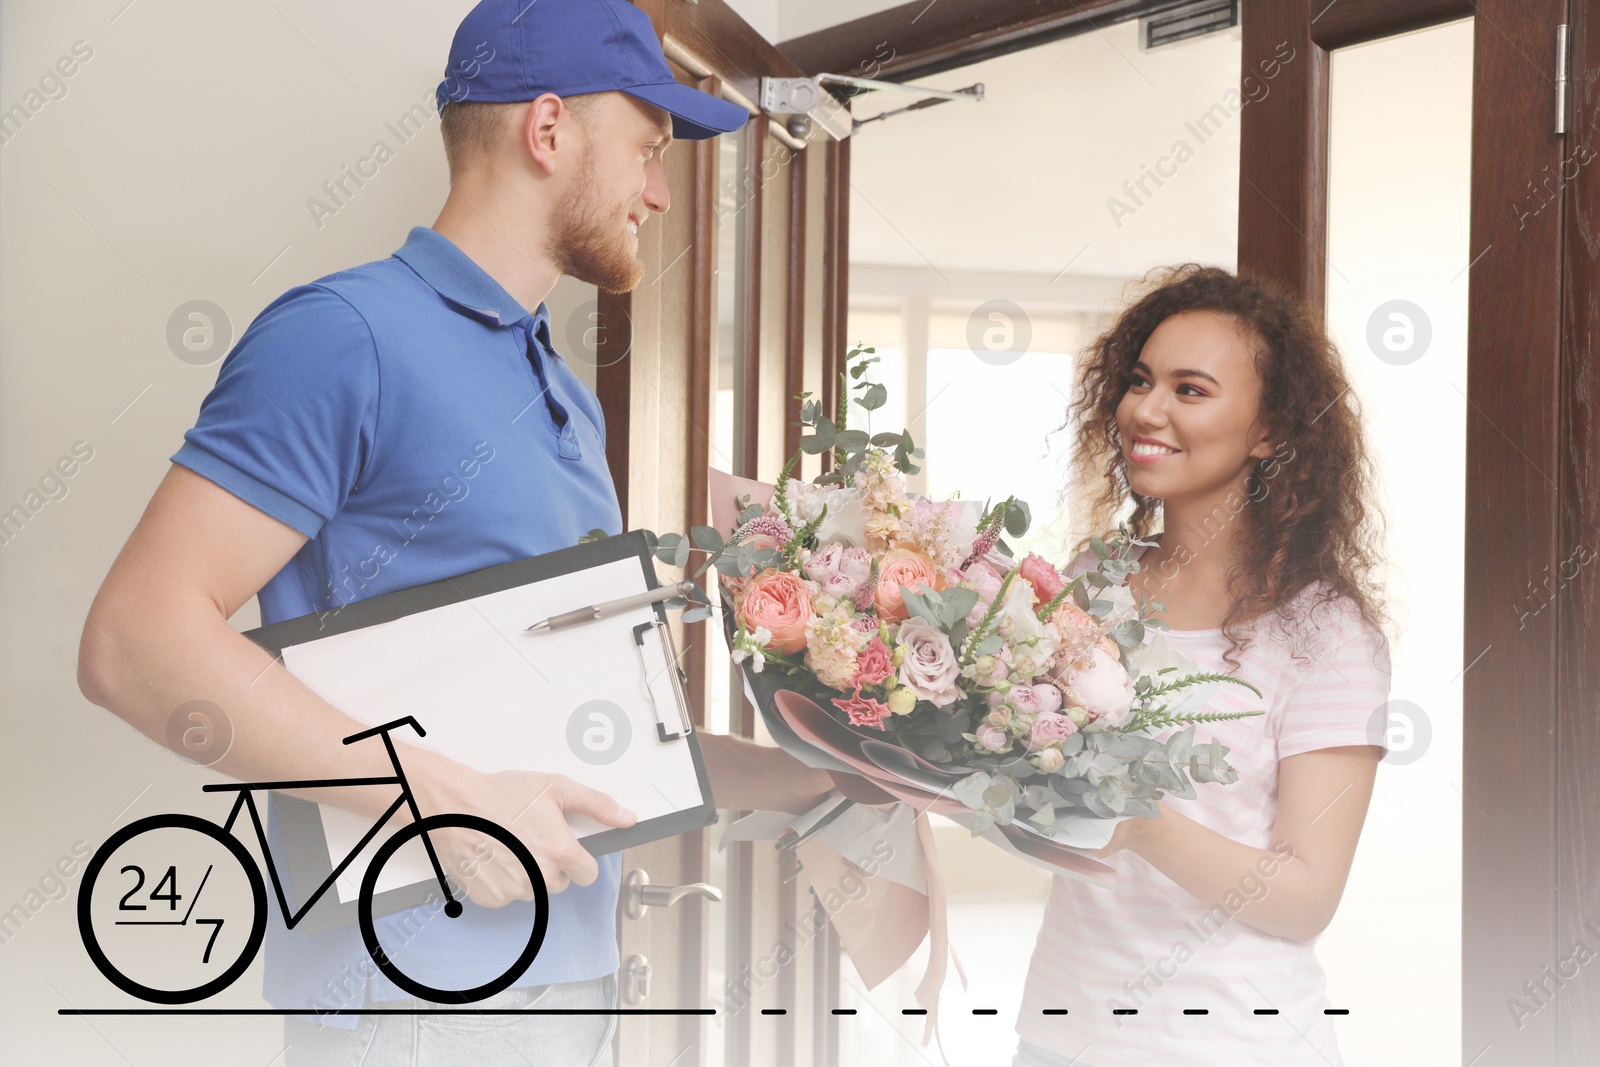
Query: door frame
(655, 379)
(1531, 693)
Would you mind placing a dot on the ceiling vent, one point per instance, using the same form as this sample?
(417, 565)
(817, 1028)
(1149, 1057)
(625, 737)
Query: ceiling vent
(1182, 23)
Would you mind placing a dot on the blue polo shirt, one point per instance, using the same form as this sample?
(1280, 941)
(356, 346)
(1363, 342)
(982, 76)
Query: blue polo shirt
(415, 422)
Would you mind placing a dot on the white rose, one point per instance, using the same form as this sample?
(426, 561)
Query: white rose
(846, 523)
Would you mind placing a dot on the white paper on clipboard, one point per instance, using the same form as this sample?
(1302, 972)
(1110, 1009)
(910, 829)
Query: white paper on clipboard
(581, 701)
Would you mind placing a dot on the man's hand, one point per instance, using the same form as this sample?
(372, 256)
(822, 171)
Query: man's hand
(529, 804)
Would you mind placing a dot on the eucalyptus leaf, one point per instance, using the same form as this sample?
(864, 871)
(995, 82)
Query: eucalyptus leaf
(958, 635)
(1129, 634)
(997, 795)
(851, 440)
(1044, 819)
(1018, 518)
(705, 538)
(956, 603)
(970, 789)
(1143, 807)
(1080, 596)
(918, 605)
(876, 396)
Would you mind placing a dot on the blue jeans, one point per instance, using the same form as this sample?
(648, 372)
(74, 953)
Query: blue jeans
(479, 1040)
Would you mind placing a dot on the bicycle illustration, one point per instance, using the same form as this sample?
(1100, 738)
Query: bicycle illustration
(204, 854)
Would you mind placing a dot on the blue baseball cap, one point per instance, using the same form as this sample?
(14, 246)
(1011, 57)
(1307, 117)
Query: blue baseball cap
(511, 50)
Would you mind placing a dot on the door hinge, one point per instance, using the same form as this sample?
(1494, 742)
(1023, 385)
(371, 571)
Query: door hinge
(1561, 78)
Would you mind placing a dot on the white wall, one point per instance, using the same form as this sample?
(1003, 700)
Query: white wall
(176, 166)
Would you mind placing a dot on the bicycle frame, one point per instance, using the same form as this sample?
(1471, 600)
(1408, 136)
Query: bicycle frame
(246, 799)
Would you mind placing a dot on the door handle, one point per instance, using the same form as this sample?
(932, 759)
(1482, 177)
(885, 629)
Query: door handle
(641, 894)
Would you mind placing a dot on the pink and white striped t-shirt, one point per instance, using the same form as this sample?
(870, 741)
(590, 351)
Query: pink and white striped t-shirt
(1149, 945)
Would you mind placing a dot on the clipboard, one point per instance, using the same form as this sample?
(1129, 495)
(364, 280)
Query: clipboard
(604, 703)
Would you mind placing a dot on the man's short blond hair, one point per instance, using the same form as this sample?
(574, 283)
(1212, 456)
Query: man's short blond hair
(472, 128)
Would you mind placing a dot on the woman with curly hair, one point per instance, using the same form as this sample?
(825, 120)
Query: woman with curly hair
(1217, 407)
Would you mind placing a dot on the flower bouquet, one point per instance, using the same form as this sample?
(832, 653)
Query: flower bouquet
(901, 645)
(900, 641)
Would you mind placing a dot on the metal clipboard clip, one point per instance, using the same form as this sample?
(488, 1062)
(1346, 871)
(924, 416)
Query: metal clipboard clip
(677, 679)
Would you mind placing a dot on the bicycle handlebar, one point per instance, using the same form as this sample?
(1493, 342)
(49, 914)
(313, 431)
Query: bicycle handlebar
(386, 727)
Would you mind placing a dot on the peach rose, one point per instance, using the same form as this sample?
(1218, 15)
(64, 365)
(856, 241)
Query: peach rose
(907, 567)
(780, 602)
(1042, 575)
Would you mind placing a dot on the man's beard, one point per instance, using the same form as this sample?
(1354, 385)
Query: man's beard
(587, 243)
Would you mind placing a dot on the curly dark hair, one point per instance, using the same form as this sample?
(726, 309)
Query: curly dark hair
(1312, 523)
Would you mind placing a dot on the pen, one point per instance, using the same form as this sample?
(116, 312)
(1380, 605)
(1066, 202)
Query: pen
(611, 607)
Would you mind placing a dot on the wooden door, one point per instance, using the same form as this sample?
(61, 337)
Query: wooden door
(753, 238)
(1530, 823)
(1530, 802)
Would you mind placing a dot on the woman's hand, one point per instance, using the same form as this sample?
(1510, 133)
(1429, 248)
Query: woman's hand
(1129, 834)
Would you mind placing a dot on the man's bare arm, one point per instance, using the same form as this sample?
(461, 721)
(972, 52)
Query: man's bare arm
(157, 636)
(745, 775)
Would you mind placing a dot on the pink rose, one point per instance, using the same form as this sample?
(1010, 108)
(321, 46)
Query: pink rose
(929, 669)
(841, 572)
(1049, 697)
(903, 567)
(863, 711)
(839, 585)
(993, 739)
(1103, 689)
(1045, 579)
(874, 664)
(823, 562)
(1050, 728)
(987, 587)
(780, 602)
(1025, 701)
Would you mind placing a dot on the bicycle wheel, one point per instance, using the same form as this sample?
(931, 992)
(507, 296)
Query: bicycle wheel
(170, 932)
(526, 952)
